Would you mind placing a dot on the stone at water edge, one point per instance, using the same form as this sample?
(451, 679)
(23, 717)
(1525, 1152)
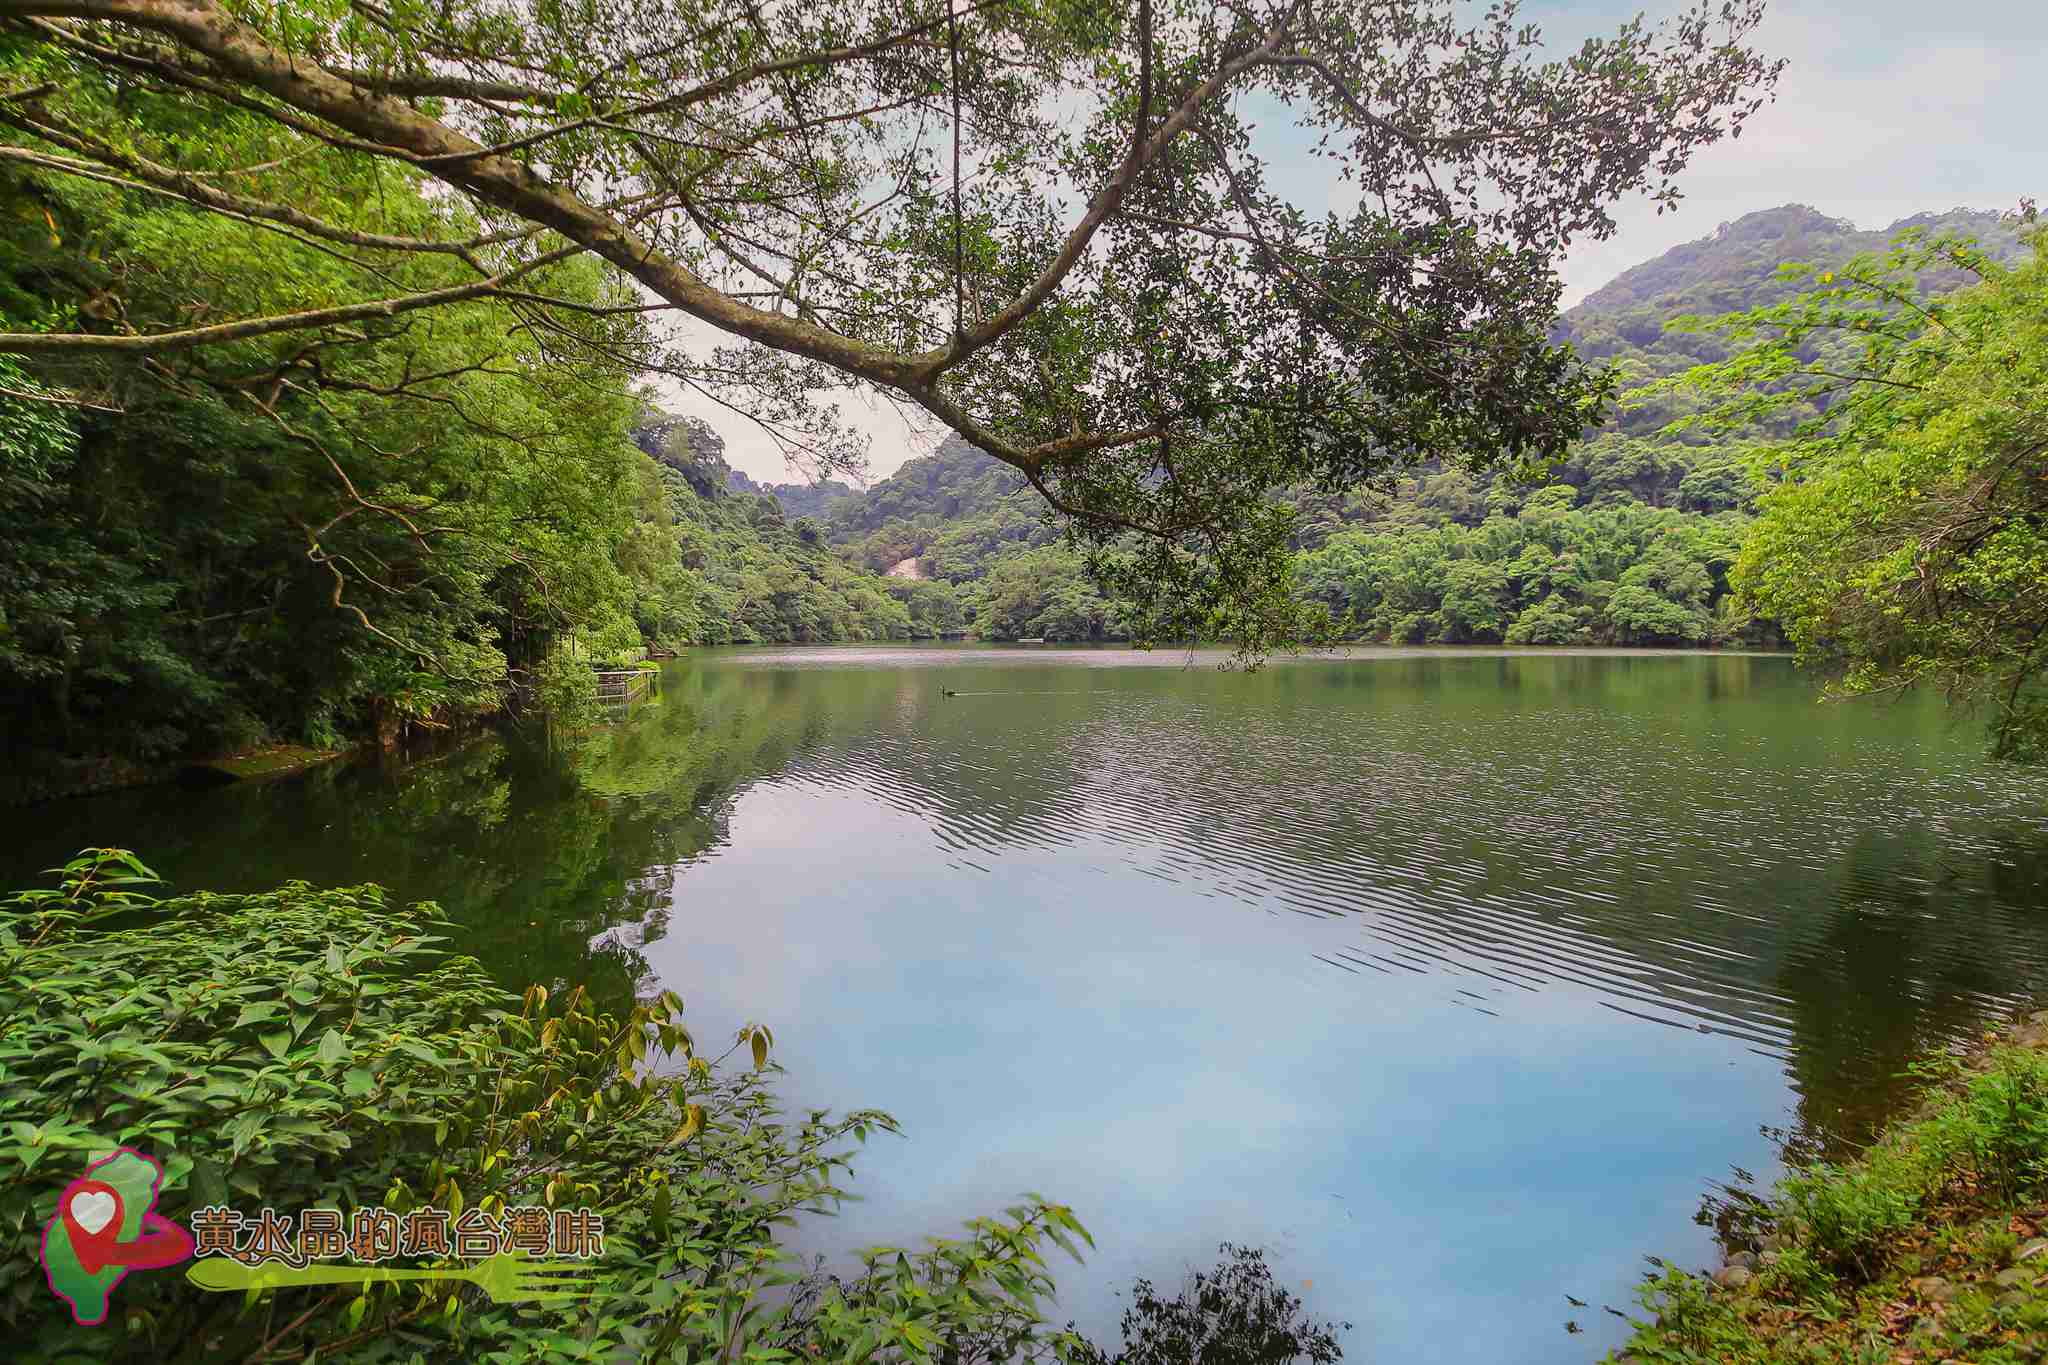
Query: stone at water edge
(1732, 1276)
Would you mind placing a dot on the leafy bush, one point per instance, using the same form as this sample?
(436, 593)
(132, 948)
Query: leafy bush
(566, 690)
(1693, 1324)
(2000, 1124)
(1850, 1214)
(1231, 1315)
(307, 1048)
(1947, 1190)
(1991, 1130)
(1803, 1275)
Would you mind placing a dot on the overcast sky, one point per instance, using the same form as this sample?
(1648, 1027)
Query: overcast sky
(1888, 108)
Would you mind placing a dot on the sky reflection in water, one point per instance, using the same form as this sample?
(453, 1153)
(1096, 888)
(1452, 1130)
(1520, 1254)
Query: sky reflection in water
(1452, 980)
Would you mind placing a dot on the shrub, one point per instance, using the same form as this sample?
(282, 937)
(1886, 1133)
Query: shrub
(566, 690)
(1999, 1126)
(1231, 1315)
(319, 1048)
(1992, 1129)
(1950, 1188)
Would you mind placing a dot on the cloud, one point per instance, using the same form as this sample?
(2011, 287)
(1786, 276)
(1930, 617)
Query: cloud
(1902, 109)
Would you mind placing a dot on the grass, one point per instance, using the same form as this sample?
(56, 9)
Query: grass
(1930, 1246)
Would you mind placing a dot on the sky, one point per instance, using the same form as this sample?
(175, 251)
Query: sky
(1887, 108)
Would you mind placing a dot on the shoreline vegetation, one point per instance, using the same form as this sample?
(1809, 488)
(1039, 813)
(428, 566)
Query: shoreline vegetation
(134, 1020)
(334, 342)
(1637, 538)
(71, 778)
(352, 1087)
(607, 527)
(1931, 1245)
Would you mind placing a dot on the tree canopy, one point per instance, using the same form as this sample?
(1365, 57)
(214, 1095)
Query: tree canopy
(1051, 226)
(291, 534)
(1904, 535)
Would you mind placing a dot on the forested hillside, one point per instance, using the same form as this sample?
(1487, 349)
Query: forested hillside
(406, 523)
(1736, 269)
(321, 537)
(1627, 541)
(759, 574)
(400, 523)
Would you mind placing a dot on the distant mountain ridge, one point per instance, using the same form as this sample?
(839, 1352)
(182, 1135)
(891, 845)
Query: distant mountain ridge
(1628, 542)
(1733, 268)
(693, 448)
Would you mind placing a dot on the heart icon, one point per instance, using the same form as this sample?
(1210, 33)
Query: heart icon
(94, 1209)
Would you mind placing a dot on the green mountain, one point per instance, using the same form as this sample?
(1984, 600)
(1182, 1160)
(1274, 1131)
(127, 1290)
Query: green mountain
(929, 499)
(1736, 269)
(1630, 543)
(800, 499)
(1735, 266)
(754, 574)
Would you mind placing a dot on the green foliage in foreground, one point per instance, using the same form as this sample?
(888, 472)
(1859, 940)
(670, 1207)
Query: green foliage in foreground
(319, 1048)
(1933, 1245)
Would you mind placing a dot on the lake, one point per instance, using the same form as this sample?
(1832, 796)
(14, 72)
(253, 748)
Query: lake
(1454, 979)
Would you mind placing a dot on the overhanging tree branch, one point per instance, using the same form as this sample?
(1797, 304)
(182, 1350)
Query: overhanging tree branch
(82, 343)
(727, 169)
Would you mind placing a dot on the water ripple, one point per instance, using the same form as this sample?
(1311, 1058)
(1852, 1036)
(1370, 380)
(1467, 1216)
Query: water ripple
(1684, 873)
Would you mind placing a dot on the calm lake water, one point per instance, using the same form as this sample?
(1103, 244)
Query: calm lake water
(1452, 979)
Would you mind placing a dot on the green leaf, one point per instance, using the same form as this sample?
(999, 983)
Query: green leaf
(208, 1185)
(658, 1209)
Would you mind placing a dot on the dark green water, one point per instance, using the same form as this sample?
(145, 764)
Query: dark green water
(1454, 980)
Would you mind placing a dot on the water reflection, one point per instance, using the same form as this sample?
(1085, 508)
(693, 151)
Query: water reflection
(1452, 978)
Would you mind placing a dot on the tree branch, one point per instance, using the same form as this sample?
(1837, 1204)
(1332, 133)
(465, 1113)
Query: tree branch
(1144, 151)
(82, 343)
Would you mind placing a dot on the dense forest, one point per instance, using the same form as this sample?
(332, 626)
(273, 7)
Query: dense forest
(342, 560)
(1628, 540)
(398, 526)
(758, 570)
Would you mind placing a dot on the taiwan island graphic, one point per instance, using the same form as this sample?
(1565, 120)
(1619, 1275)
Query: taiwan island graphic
(105, 1226)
